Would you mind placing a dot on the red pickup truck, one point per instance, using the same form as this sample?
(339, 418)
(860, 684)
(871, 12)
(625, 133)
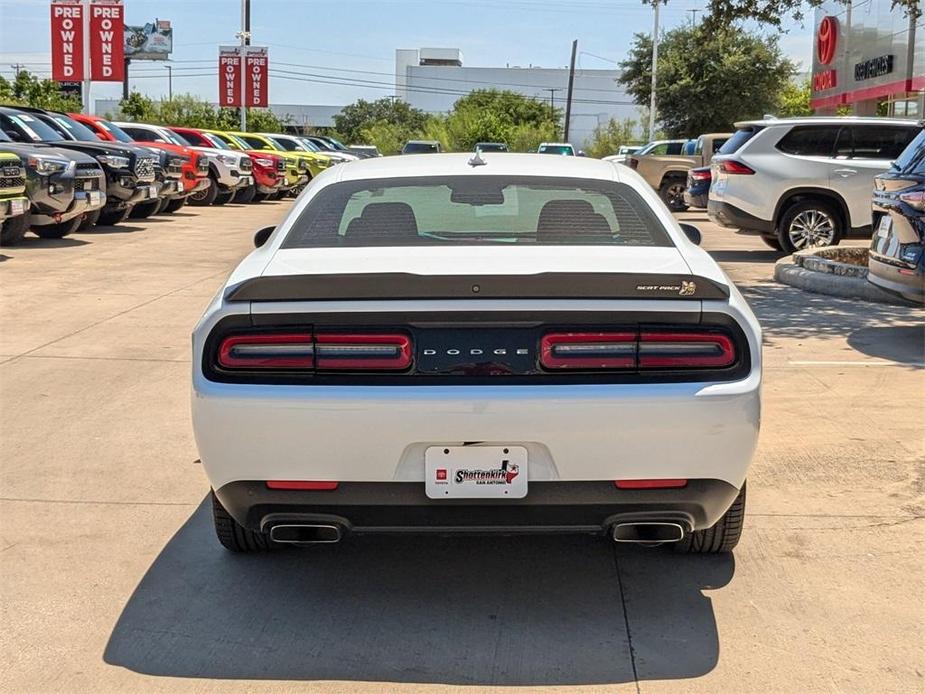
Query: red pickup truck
(195, 170)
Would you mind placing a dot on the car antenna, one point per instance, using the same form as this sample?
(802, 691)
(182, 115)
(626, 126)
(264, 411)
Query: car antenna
(477, 159)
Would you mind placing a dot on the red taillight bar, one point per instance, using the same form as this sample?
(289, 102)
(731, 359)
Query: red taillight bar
(650, 484)
(588, 350)
(303, 485)
(731, 166)
(697, 350)
(701, 175)
(304, 351)
(279, 351)
(380, 352)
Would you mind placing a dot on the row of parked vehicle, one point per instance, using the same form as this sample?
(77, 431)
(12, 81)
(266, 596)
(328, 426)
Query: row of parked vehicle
(64, 172)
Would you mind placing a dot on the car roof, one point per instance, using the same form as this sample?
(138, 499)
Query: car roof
(422, 142)
(825, 120)
(556, 144)
(457, 164)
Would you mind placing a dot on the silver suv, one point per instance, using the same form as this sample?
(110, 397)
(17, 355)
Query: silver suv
(803, 181)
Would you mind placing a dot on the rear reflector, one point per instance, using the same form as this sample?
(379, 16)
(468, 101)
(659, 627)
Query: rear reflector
(685, 350)
(304, 351)
(588, 350)
(305, 486)
(730, 166)
(650, 484)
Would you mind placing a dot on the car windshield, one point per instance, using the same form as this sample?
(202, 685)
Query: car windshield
(337, 144)
(556, 149)
(323, 145)
(418, 147)
(255, 143)
(491, 147)
(170, 136)
(78, 131)
(741, 136)
(114, 130)
(215, 141)
(309, 145)
(912, 155)
(476, 210)
(28, 128)
(286, 144)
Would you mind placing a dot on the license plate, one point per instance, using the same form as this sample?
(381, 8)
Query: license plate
(475, 472)
(88, 185)
(96, 197)
(152, 191)
(883, 229)
(17, 207)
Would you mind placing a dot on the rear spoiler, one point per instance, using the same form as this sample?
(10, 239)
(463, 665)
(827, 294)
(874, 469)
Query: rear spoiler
(547, 285)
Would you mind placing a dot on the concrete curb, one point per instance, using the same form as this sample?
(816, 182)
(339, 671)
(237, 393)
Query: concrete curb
(844, 286)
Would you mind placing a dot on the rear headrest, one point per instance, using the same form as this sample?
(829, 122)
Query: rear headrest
(381, 220)
(571, 221)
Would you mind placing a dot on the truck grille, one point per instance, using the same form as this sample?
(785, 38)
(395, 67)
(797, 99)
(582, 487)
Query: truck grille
(86, 183)
(12, 176)
(281, 165)
(144, 168)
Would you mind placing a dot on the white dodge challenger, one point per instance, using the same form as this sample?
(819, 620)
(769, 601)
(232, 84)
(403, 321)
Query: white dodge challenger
(491, 343)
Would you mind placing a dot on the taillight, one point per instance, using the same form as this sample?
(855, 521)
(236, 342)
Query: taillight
(659, 350)
(915, 199)
(308, 352)
(650, 349)
(701, 175)
(730, 166)
(588, 350)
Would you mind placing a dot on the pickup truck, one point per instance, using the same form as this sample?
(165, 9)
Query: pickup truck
(14, 203)
(668, 173)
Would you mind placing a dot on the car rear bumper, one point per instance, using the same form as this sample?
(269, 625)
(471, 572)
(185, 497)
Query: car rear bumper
(898, 279)
(695, 200)
(395, 507)
(730, 216)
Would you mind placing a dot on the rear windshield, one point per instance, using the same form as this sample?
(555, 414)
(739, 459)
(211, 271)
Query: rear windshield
(741, 136)
(420, 147)
(115, 131)
(913, 157)
(476, 210)
(556, 149)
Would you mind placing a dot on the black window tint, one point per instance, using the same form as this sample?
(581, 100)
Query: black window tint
(741, 136)
(843, 144)
(810, 140)
(879, 142)
(675, 147)
(188, 139)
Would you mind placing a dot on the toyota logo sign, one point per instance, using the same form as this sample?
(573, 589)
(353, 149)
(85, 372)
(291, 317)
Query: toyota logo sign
(826, 38)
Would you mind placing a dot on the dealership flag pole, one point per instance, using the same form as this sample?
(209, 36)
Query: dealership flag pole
(85, 92)
(244, 35)
(655, 4)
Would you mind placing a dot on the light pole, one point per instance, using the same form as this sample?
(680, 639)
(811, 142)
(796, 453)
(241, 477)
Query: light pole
(245, 36)
(169, 69)
(655, 4)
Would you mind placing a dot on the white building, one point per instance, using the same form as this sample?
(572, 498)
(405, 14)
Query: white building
(433, 79)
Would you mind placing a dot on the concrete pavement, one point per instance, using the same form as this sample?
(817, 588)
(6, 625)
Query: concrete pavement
(112, 580)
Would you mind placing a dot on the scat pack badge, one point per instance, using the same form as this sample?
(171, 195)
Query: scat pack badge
(687, 288)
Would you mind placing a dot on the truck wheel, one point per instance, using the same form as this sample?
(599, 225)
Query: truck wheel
(223, 198)
(722, 537)
(174, 205)
(808, 224)
(772, 241)
(89, 219)
(13, 230)
(143, 210)
(201, 198)
(59, 230)
(110, 218)
(260, 197)
(235, 537)
(672, 193)
(245, 195)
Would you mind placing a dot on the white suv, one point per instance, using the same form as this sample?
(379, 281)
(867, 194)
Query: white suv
(803, 181)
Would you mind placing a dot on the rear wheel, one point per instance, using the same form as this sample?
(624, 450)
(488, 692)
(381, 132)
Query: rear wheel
(236, 537)
(113, 217)
(809, 224)
(722, 537)
(222, 198)
(672, 193)
(89, 220)
(772, 241)
(245, 195)
(13, 230)
(59, 230)
(260, 197)
(143, 210)
(206, 196)
(174, 205)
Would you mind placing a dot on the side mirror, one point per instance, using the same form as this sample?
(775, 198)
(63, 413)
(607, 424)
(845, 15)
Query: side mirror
(692, 232)
(262, 235)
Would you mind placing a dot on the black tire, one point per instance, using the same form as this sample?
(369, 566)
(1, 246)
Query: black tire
(13, 230)
(235, 537)
(112, 217)
(174, 205)
(202, 198)
(772, 241)
(672, 193)
(824, 210)
(223, 198)
(260, 197)
(89, 220)
(722, 537)
(59, 230)
(143, 210)
(245, 195)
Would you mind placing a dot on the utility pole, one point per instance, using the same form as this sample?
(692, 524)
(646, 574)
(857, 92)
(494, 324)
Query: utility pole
(169, 82)
(85, 92)
(552, 100)
(652, 104)
(18, 68)
(126, 62)
(571, 85)
(245, 36)
(693, 17)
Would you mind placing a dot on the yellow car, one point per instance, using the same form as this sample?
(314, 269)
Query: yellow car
(297, 171)
(316, 162)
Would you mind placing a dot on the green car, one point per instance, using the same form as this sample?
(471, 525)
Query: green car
(13, 200)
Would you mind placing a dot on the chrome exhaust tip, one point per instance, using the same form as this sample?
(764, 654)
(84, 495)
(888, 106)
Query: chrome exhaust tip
(648, 532)
(304, 534)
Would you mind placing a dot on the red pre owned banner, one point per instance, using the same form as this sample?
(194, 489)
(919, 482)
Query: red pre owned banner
(229, 77)
(256, 77)
(107, 35)
(67, 40)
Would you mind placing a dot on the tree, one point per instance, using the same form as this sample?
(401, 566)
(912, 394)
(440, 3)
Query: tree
(708, 77)
(188, 110)
(491, 115)
(28, 90)
(608, 138)
(723, 12)
(388, 137)
(363, 114)
(794, 100)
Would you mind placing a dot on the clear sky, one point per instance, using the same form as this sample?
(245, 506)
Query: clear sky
(320, 42)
